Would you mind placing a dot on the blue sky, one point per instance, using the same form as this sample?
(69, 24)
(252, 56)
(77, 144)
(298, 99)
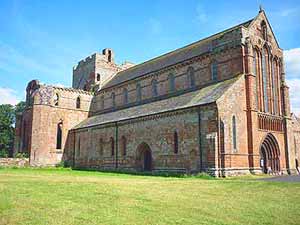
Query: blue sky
(45, 39)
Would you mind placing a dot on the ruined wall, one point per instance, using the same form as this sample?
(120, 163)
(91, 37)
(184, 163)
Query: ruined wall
(295, 143)
(14, 162)
(48, 108)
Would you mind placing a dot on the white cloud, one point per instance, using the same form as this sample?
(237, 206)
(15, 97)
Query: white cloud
(294, 85)
(59, 85)
(292, 65)
(292, 61)
(8, 96)
(288, 12)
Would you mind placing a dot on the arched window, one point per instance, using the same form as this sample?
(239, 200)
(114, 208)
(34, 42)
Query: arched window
(123, 145)
(112, 143)
(138, 92)
(98, 77)
(113, 99)
(264, 30)
(154, 88)
(171, 79)
(214, 71)
(78, 103)
(175, 142)
(274, 87)
(56, 99)
(125, 96)
(264, 63)
(59, 135)
(256, 73)
(254, 63)
(234, 134)
(191, 77)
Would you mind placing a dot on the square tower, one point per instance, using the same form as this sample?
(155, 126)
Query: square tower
(92, 72)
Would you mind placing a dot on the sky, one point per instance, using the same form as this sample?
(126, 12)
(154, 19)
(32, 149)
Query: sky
(44, 39)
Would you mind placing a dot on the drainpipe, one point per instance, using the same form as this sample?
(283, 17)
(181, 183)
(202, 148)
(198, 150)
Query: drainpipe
(199, 139)
(117, 144)
(74, 147)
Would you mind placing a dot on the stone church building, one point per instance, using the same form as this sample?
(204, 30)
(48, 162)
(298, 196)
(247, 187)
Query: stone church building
(219, 105)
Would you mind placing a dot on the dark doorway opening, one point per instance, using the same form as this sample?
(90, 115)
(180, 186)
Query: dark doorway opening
(147, 160)
(270, 155)
(144, 157)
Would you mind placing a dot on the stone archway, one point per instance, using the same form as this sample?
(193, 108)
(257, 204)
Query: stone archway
(144, 157)
(270, 155)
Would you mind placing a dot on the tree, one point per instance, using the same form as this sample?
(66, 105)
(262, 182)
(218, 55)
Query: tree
(7, 130)
(7, 119)
(20, 107)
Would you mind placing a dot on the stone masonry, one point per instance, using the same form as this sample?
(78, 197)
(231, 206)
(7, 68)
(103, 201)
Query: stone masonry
(219, 105)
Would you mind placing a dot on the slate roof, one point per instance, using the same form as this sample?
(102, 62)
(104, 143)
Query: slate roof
(168, 59)
(202, 96)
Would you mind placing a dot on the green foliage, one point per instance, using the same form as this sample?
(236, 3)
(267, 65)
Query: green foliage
(20, 107)
(3, 153)
(7, 119)
(22, 155)
(7, 130)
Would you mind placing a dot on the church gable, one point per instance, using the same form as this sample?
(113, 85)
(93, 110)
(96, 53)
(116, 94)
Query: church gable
(262, 33)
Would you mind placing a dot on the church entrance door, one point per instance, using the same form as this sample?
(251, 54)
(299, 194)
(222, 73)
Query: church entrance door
(270, 155)
(144, 157)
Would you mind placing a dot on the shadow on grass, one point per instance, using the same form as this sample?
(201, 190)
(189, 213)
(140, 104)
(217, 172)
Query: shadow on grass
(202, 175)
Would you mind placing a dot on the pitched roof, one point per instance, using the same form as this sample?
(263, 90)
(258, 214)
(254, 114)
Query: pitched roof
(202, 96)
(168, 59)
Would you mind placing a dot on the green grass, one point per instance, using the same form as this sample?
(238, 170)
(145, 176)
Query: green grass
(63, 196)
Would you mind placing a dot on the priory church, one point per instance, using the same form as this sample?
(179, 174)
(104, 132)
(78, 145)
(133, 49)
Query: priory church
(219, 105)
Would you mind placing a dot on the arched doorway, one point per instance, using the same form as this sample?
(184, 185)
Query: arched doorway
(144, 157)
(270, 155)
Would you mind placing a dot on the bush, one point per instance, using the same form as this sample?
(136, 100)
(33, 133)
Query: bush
(62, 164)
(22, 155)
(3, 154)
(204, 176)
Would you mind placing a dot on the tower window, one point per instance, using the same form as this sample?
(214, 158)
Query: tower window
(78, 103)
(109, 56)
(98, 77)
(56, 99)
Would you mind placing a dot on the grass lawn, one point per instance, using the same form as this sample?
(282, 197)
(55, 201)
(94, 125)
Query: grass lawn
(62, 196)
